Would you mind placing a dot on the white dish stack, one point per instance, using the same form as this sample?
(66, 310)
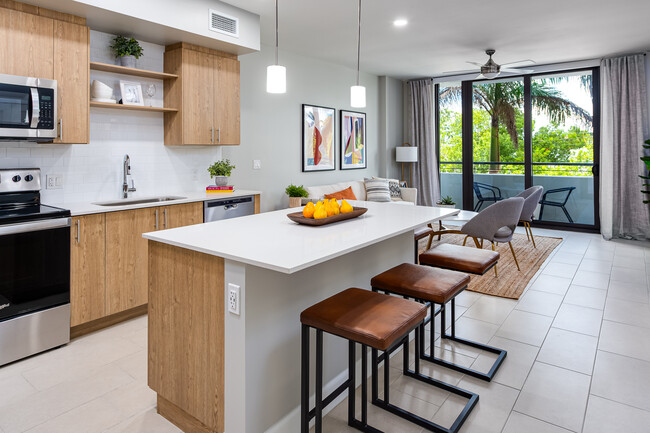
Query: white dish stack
(100, 92)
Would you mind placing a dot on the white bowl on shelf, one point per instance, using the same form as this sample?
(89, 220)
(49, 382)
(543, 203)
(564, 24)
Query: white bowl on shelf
(99, 90)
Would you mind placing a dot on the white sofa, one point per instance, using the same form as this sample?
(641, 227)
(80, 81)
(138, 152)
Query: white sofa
(409, 195)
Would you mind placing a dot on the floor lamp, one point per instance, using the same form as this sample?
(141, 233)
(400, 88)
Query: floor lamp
(406, 153)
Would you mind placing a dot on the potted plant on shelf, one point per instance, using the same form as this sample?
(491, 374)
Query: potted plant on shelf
(296, 194)
(447, 202)
(221, 170)
(126, 50)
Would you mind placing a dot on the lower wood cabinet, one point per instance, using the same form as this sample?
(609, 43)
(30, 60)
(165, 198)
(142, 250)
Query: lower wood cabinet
(109, 258)
(88, 269)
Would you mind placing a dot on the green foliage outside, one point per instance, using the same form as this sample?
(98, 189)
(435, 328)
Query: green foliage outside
(646, 160)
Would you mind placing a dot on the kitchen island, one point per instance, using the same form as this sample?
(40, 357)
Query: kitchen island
(214, 370)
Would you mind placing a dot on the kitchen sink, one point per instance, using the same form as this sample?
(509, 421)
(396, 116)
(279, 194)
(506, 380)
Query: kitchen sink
(130, 201)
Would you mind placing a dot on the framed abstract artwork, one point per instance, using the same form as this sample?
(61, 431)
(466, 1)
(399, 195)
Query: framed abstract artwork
(318, 153)
(353, 140)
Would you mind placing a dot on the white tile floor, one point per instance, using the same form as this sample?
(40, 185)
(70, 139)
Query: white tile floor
(578, 360)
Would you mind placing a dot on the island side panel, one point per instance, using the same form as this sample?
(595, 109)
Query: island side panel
(273, 304)
(186, 337)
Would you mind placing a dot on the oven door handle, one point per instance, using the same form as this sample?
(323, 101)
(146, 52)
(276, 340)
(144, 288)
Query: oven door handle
(12, 229)
(36, 107)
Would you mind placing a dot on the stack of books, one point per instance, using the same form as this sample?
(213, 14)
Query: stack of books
(219, 189)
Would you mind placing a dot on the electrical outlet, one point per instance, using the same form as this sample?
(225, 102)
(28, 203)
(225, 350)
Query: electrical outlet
(53, 181)
(257, 164)
(233, 299)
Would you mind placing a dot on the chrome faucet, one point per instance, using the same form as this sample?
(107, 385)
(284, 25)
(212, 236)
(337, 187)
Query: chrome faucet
(126, 189)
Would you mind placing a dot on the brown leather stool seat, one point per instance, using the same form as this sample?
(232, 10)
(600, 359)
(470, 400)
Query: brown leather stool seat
(457, 258)
(382, 323)
(362, 316)
(421, 282)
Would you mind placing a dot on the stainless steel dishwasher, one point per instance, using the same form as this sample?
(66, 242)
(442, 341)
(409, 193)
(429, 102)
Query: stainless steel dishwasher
(221, 209)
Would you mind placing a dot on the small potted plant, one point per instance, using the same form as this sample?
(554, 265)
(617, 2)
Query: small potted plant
(221, 170)
(127, 50)
(447, 202)
(296, 194)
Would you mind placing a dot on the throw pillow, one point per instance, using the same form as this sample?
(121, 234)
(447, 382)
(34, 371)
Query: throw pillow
(377, 190)
(394, 188)
(345, 194)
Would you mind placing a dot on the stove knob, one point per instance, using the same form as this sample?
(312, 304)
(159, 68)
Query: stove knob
(16, 178)
(29, 178)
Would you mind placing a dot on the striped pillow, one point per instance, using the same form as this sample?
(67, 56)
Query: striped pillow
(377, 190)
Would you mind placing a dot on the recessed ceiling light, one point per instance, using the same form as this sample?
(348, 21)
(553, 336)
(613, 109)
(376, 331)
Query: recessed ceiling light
(400, 22)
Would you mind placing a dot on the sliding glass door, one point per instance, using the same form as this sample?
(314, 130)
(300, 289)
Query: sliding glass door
(499, 137)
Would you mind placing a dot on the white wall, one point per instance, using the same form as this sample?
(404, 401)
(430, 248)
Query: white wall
(94, 171)
(271, 124)
(391, 133)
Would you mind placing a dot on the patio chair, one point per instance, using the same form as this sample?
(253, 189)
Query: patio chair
(490, 189)
(496, 223)
(531, 197)
(561, 203)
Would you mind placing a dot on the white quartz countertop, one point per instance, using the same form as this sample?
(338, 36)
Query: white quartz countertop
(271, 240)
(86, 208)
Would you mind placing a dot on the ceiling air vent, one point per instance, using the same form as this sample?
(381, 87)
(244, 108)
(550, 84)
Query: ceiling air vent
(222, 23)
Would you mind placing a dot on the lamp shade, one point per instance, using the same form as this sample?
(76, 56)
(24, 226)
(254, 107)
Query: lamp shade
(276, 79)
(358, 96)
(406, 154)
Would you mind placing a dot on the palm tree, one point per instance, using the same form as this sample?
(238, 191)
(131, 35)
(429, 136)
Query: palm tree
(502, 99)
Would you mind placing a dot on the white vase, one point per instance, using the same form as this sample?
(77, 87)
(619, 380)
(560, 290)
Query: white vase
(221, 180)
(448, 206)
(127, 61)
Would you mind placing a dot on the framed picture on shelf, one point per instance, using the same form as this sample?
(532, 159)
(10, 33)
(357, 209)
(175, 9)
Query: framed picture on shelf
(318, 152)
(131, 93)
(353, 140)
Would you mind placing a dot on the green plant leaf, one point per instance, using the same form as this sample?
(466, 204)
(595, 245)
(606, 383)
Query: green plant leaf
(221, 168)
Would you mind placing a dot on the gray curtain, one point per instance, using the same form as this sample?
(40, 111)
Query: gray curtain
(421, 132)
(624, 129)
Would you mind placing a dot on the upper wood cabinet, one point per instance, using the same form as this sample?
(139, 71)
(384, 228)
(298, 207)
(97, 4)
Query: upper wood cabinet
(41, 43)
(87, 265)
(71, 71)
(26, 44)
(206, 94)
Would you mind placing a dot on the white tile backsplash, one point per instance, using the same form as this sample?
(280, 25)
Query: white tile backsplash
(93, 171)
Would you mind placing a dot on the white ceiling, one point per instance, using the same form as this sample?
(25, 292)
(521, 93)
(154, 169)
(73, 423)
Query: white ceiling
(442, 35)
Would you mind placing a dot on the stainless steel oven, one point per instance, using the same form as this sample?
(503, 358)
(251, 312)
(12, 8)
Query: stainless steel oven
(34, 269)
(27, 108)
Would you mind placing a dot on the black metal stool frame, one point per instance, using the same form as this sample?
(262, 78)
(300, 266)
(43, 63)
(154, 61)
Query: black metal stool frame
(443, 334)
(350, 385)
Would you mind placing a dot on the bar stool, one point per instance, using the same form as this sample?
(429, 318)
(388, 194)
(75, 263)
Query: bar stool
(421, 233)
(435, 286)
(470, 260)
(382, 323)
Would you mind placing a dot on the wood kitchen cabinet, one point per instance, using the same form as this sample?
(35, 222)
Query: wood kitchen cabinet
(26, 44)
(181, 215)
(71, 71)
(206, 94)
(126, 257)
(88, 268)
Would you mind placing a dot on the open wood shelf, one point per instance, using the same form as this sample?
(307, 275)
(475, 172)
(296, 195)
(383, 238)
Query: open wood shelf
(132, 107)
(106, 67)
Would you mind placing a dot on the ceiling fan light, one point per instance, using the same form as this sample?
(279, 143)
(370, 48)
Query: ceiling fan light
(358, 96)
(276, 79)
(490, 75)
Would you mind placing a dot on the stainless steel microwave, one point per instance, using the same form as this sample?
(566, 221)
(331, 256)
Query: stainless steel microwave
(27, 108)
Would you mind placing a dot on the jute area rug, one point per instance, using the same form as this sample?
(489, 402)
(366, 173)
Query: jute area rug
(510, 283)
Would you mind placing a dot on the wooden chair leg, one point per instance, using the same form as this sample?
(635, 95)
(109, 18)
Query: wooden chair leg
(465, 240)
(526, 229)
(514, 255)
(532, 238)
(478, 245)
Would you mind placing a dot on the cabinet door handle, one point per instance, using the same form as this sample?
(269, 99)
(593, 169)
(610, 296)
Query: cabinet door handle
(212, 133)
(218, 135)
(156, 224)
(77, 232)
(165, 213)
(61, 129)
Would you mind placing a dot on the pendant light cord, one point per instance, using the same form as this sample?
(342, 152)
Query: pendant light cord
(358, 44)
(276, 31)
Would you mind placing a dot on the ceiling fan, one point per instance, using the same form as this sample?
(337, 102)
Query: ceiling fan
(491, 69)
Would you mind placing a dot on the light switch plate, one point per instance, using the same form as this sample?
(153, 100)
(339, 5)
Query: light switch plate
(257, 164)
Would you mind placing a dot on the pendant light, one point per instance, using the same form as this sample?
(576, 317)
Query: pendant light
(276, 75)
(358, 93)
